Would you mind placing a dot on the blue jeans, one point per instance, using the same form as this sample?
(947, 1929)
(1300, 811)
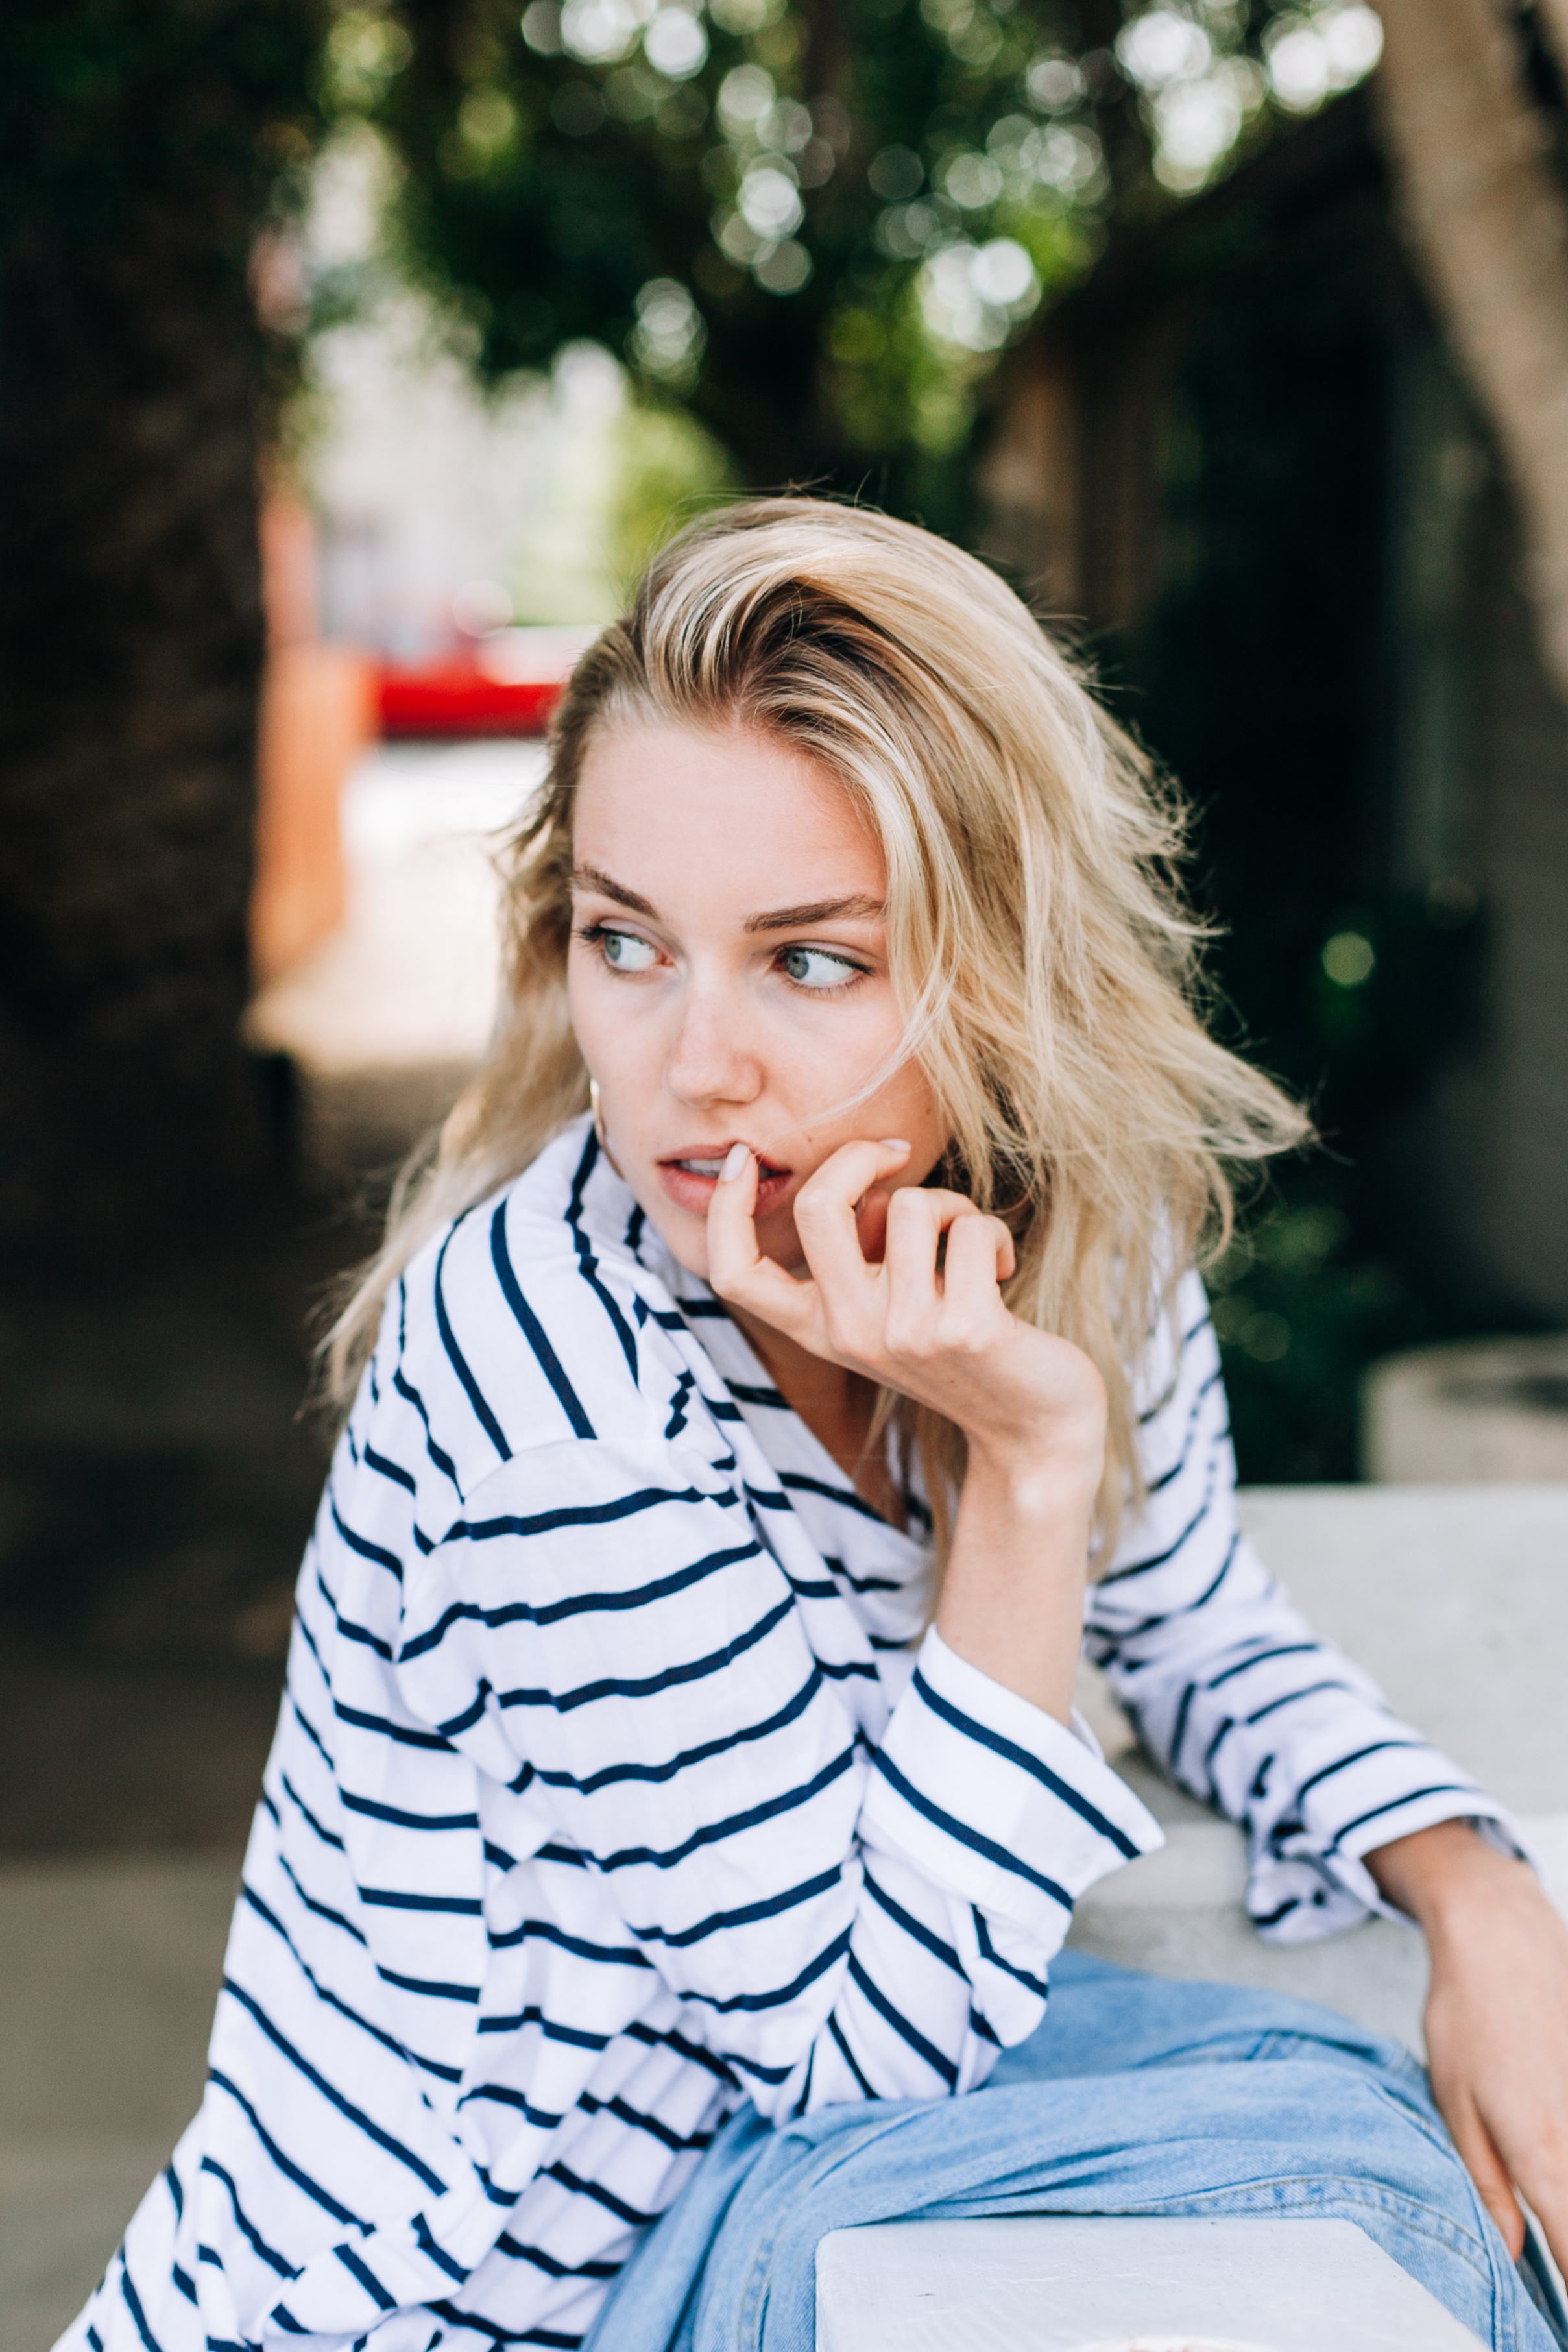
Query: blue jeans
(1165, 2097)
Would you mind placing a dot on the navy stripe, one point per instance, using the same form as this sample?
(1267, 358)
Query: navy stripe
(1344, 1763)
(411, 1395)
(612, 1775)
(482, 1414)
(533, 1330)
(1288, 1698)
(377, 1812)
(286, 2164)
(550, 1931)
(672, 1678)
(1159, 1558)
(133, 2304)
(964, 1835)
(796, 1482)
(941, 2066)
(366, 2276)
(334, 2097)
(589, 1263)
(580, 1605)
(714, 1832)
(1410, 1796)
(333, 2000)
(1260, 1658)
(1060, 1789)
(767, 1907)
(397, 1898)
(837, 2030)
(913, 1927)
(780, 1998)
(366, 1549)
(392, 1470)
(327, 1836)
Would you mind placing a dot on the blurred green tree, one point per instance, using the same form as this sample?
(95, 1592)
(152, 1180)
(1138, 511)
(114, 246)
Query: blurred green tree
(146, 147)
(815, 227)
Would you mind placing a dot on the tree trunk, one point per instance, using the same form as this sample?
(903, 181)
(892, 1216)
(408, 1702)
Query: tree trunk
(132, 400)
(128, 560)
(1487, 219)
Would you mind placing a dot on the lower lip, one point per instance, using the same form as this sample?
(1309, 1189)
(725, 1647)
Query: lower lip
(693, 1193)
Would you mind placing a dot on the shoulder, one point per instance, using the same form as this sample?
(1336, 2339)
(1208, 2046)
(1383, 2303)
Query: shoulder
(530, 1319)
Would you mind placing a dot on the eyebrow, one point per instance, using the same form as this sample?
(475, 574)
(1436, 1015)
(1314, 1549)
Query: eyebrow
(588, 878)
(856, 909)
(859, 909)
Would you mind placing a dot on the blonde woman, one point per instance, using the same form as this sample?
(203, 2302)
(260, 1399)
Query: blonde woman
(677, 1807)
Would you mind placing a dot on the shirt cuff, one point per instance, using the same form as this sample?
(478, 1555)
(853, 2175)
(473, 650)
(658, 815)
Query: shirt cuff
(995, 1801)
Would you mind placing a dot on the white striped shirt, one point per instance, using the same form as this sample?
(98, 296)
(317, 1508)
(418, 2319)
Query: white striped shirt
(616, 1783)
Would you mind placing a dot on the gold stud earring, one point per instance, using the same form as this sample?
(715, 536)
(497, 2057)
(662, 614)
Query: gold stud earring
(597, 1106)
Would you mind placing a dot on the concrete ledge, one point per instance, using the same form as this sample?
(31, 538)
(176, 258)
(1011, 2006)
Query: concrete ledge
(1059, 2283)
(1178, 1913)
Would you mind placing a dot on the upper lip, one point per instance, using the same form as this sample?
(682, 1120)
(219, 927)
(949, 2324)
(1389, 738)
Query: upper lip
(717, 1152)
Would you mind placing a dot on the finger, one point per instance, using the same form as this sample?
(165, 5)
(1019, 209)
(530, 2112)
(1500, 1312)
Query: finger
(1487, 2169)
(980, 1255)
(916, 1220)
(825, 1216)
(737, 1271)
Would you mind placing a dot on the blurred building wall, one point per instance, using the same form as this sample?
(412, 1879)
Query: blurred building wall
(1457, 811)
(318, 713)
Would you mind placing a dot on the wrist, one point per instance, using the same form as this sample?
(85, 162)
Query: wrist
(1037, 1477)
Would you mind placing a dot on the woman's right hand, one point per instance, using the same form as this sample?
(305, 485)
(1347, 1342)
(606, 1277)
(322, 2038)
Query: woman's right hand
(927, 1319)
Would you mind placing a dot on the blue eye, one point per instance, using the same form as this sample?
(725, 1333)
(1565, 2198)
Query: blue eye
(624, 951)
(816, 968)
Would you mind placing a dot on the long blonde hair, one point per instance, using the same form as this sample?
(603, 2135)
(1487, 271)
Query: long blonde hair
(1044, 959)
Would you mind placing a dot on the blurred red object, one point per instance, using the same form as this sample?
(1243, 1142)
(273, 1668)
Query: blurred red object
(456, 697)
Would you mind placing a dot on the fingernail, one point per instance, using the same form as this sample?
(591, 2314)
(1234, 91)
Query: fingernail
(734, 1166)
(894, 1143)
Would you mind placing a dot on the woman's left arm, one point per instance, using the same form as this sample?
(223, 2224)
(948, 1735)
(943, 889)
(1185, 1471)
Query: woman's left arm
(1497, 2017)
(1232, 1692)
(1345, 1807)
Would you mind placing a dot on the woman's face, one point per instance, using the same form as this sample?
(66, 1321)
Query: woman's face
(728, 977)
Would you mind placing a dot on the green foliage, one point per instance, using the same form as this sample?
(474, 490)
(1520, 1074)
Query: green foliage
(859, 203)
(669, 471)
(815, 228)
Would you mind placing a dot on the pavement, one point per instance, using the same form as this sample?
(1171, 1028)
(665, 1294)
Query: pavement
(1456, 1597)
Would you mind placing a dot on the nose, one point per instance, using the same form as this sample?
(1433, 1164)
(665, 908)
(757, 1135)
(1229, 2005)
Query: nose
(711, 1059)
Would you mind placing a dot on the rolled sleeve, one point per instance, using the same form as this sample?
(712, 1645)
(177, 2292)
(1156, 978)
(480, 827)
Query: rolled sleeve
(996, 1801)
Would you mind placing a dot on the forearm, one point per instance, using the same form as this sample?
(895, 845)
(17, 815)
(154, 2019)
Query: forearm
(1012, 1598)
(1442, 1876)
